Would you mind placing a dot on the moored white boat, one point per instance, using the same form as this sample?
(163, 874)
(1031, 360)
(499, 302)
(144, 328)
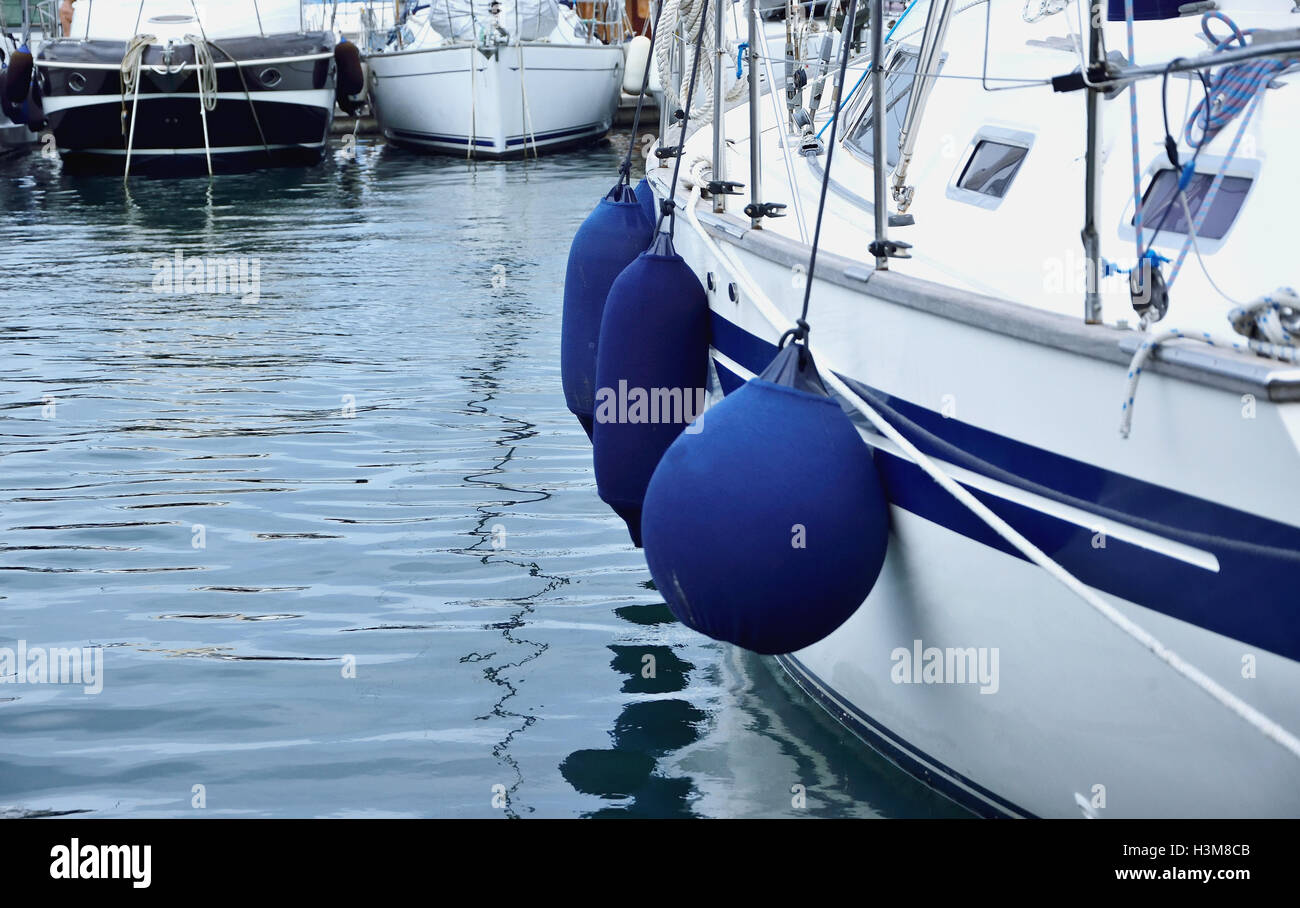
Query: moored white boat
(493, 81)
(1019, 690)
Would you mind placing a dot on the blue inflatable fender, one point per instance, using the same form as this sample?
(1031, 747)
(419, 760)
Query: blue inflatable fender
(768, 528)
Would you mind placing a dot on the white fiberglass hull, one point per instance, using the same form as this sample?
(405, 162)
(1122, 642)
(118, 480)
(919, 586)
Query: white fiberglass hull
(521, 98)
(1077, 718)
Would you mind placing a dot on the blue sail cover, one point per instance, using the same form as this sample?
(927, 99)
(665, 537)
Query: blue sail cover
(1145, 9)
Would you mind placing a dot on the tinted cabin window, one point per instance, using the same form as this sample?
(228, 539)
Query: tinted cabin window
(991, 168)
(1162, 208)
(899, 80)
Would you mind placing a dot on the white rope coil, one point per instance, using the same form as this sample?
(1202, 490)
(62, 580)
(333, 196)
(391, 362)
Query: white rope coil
(1274, 318)
(206, 71)
(133, 60)
(687, 14)
(1270, 327)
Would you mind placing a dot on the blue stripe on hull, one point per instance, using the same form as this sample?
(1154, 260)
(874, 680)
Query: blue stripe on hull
(589, 129)
(1251, 598)
(416, 136)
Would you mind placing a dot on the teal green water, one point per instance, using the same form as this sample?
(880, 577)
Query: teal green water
(340, 543)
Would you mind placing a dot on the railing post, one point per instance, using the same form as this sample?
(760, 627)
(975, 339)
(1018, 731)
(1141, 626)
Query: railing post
(1092, 180)
(879, 165)
(755, 118)
(719, 134)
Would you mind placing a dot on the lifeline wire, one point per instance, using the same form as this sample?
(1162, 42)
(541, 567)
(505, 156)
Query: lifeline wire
(670, 203)
(858, 84)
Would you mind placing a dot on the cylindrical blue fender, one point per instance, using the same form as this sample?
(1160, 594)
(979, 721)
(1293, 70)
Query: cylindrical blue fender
(609, 239)
(9, 109)
(652, 368)
(646, 197)
(34, 108)
(19, 75)
(350, 77)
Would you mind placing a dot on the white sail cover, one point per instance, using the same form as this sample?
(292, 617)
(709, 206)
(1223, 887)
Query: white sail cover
(525, 20)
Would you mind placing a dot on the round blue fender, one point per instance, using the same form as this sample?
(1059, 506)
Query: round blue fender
(769, 527)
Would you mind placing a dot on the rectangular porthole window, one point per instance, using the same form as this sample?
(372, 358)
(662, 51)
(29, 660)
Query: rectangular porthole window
(1162, 209)
(991, 168)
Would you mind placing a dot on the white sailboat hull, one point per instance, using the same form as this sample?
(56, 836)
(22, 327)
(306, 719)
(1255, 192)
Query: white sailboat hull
(1079, 718)
(513, 100)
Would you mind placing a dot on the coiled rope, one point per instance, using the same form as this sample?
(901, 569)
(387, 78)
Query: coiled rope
(1234, 87)
(1273, 319)
(688, 14)
(132, 62)
(205, 73)
(206, 70)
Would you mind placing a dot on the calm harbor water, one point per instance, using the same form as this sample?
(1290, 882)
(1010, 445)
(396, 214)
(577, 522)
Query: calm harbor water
(336, 533)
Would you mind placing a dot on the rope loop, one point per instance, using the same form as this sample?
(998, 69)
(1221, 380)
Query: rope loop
(799, 334)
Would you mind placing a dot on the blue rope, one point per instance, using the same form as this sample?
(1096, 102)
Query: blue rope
(862, 78)
(1234, 87)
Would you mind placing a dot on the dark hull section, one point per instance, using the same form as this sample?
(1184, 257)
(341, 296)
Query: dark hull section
(273, 109)
(155, 164)
(169, 134)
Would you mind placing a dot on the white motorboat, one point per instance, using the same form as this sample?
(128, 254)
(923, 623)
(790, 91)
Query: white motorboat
(189, 86)
(493, 80)
(1087, 605)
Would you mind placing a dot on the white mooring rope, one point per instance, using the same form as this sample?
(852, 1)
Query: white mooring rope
(132, 62)
(205, 71)
(1260, 722)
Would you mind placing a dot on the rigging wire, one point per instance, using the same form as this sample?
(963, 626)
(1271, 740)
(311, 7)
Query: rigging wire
(669, 207)
(625, 169)
(800, 332)
(856, 85)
